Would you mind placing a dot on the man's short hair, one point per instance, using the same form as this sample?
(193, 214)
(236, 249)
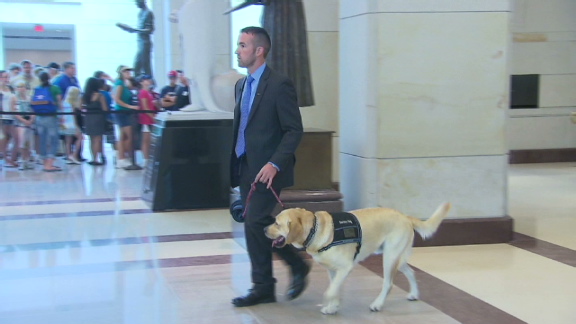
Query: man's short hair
(53, 65)
(66, 65)
(98, 74)
(25, 62)
(261, 37)
(14, 66)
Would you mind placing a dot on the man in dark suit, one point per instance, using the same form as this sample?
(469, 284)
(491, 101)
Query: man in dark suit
(267, 131)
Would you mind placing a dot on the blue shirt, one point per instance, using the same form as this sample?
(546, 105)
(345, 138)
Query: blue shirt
(108, 98)
(254, 85)
(64, 81)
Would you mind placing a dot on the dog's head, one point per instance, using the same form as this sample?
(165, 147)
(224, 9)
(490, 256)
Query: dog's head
(291, 227)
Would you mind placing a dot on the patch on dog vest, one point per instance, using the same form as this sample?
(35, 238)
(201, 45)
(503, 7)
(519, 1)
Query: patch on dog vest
(346, 230)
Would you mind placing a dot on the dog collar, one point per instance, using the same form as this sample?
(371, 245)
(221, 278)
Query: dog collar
(311, 234)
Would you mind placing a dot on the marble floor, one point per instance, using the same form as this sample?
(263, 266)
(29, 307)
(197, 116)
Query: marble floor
(79, 246)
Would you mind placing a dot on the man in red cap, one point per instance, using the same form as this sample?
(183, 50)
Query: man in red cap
(168, 93)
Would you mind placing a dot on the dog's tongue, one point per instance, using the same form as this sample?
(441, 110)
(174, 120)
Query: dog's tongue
(278, 242)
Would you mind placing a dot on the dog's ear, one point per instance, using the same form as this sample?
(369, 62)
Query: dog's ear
(295, 226)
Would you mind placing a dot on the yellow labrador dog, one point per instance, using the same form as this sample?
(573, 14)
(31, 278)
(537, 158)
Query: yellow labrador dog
(383, 230)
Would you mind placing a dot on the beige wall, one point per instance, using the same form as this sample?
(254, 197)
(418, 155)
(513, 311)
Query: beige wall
(323, 24)
(544, 42)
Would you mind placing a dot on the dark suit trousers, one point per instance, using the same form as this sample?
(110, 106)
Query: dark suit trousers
(260, 206)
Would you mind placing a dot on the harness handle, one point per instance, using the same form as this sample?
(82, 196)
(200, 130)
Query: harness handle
(252, 189)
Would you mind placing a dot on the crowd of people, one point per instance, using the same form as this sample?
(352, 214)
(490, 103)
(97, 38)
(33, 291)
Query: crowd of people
(106, 110)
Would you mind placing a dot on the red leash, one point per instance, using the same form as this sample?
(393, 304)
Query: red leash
(252, 189)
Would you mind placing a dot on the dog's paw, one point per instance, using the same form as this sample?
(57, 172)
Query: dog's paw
(412, 297)
(329, 310)
(376, 306)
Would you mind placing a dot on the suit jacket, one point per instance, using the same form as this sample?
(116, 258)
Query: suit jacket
(273, 131)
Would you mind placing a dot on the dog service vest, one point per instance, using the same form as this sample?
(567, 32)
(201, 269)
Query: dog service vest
(346, 230)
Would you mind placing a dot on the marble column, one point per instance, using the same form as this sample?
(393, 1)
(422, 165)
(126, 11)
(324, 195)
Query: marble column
(161, 48)
(423, 105)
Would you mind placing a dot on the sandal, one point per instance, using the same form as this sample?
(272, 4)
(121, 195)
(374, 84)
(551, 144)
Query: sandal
(52, 170)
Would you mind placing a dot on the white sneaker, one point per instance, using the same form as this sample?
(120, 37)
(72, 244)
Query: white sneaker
(121, 164)
(72, 160)
(21, 165)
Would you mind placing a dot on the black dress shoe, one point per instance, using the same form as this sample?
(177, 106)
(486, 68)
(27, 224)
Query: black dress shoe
(298, 284)
(253, 298)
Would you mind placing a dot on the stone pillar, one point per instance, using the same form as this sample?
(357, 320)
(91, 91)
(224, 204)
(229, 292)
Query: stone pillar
(161, 42)
(4, 64)
(423, 107)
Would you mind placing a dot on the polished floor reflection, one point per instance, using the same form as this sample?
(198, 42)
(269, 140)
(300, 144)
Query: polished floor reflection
(79, 246)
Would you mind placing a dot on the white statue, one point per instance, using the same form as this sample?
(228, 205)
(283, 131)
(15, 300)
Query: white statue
(205, 36)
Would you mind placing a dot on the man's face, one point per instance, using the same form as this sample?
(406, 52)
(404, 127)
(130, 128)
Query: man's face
(246, 51)
(14, 72)
(27, 67)
(3, 78)
(183, 79)
(140, 4)
(21, 89)
(71, 70)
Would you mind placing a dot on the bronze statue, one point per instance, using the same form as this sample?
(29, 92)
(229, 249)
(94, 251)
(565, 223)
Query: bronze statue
(142, 61)
(286, 23)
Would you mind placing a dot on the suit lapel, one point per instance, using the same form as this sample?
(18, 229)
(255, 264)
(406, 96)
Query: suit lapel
(239, 88)
(262, 84)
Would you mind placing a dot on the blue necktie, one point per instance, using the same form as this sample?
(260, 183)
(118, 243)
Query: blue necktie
(244, 113)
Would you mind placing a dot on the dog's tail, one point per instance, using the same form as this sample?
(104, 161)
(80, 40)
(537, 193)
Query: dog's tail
(427, 228)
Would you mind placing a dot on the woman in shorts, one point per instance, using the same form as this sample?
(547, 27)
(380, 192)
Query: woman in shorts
(146, 102)
(71, 130)
(95, 122)
(7, 122)
(124, 105)
(23, 126)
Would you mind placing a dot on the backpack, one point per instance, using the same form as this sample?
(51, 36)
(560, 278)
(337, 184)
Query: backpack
(42, 101)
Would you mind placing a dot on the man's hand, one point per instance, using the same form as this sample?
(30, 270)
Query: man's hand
(125, 27)
(266, 175)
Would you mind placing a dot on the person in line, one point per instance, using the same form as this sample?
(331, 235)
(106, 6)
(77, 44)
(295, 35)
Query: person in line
(38, 70)
(267, 131)
(27, 76)
(109, 133)
(104, 76)
(49, 125)
(123, 99)
(134, 85)
(54, 71)
(8, 137)
(71, 130)
(14, 70)
(183, 92)
(95, 120)
(146, 102)
(68, 78)
(23, 125)
(168, 93)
